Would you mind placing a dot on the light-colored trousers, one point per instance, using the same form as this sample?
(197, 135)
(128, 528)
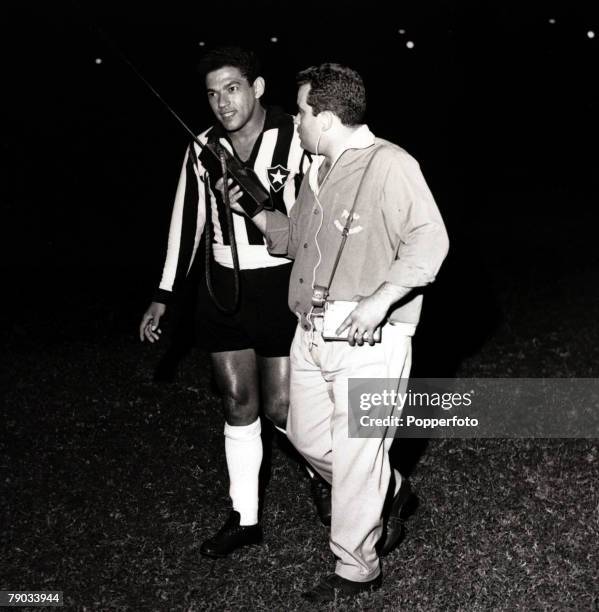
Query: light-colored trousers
(357, 468)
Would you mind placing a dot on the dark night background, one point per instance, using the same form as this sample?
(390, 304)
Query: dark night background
(500, 108)
(498, 105)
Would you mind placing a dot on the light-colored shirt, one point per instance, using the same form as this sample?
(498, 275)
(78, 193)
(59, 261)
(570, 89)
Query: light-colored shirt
(397, 235)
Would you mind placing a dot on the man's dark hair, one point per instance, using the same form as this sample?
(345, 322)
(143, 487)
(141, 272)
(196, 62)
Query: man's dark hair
(335, 88)
(219, 57)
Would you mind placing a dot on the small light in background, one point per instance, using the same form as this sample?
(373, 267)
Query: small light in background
(98, 60)
(410, 44)
(201, 43)
(401, 31)
(590, 34)
(274, 39)
(552, 21)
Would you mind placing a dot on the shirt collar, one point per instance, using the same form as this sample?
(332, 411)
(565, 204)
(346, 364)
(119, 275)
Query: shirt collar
(362, 138)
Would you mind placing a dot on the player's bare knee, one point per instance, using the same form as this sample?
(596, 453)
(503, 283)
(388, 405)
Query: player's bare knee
(276, 411)
(240, 408)
(238, 415)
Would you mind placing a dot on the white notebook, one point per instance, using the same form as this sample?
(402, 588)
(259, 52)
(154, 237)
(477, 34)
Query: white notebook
(335, 312)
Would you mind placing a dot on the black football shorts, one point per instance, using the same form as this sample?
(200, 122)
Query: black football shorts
(262, 321)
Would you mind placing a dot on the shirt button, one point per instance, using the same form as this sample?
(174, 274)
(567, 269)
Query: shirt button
(306, 327)
(305, 245)
(315, 211)
(301, 280)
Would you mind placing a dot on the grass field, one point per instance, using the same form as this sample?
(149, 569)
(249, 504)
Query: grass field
(111, 482)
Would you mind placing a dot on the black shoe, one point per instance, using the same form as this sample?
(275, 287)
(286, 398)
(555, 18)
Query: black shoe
(321, 494)
(230, 537)
(404, 504)
(333, 587)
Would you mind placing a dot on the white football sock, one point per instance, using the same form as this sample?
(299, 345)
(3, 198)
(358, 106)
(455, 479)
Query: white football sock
(243, 450)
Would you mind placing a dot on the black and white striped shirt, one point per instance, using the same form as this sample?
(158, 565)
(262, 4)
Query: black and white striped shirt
(279, 162)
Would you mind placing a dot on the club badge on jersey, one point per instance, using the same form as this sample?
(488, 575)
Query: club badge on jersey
(277, 176)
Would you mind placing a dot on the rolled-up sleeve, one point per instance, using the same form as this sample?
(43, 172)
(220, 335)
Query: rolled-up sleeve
(414, 219)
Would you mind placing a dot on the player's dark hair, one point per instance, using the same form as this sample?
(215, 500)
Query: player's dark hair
(246, 61)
